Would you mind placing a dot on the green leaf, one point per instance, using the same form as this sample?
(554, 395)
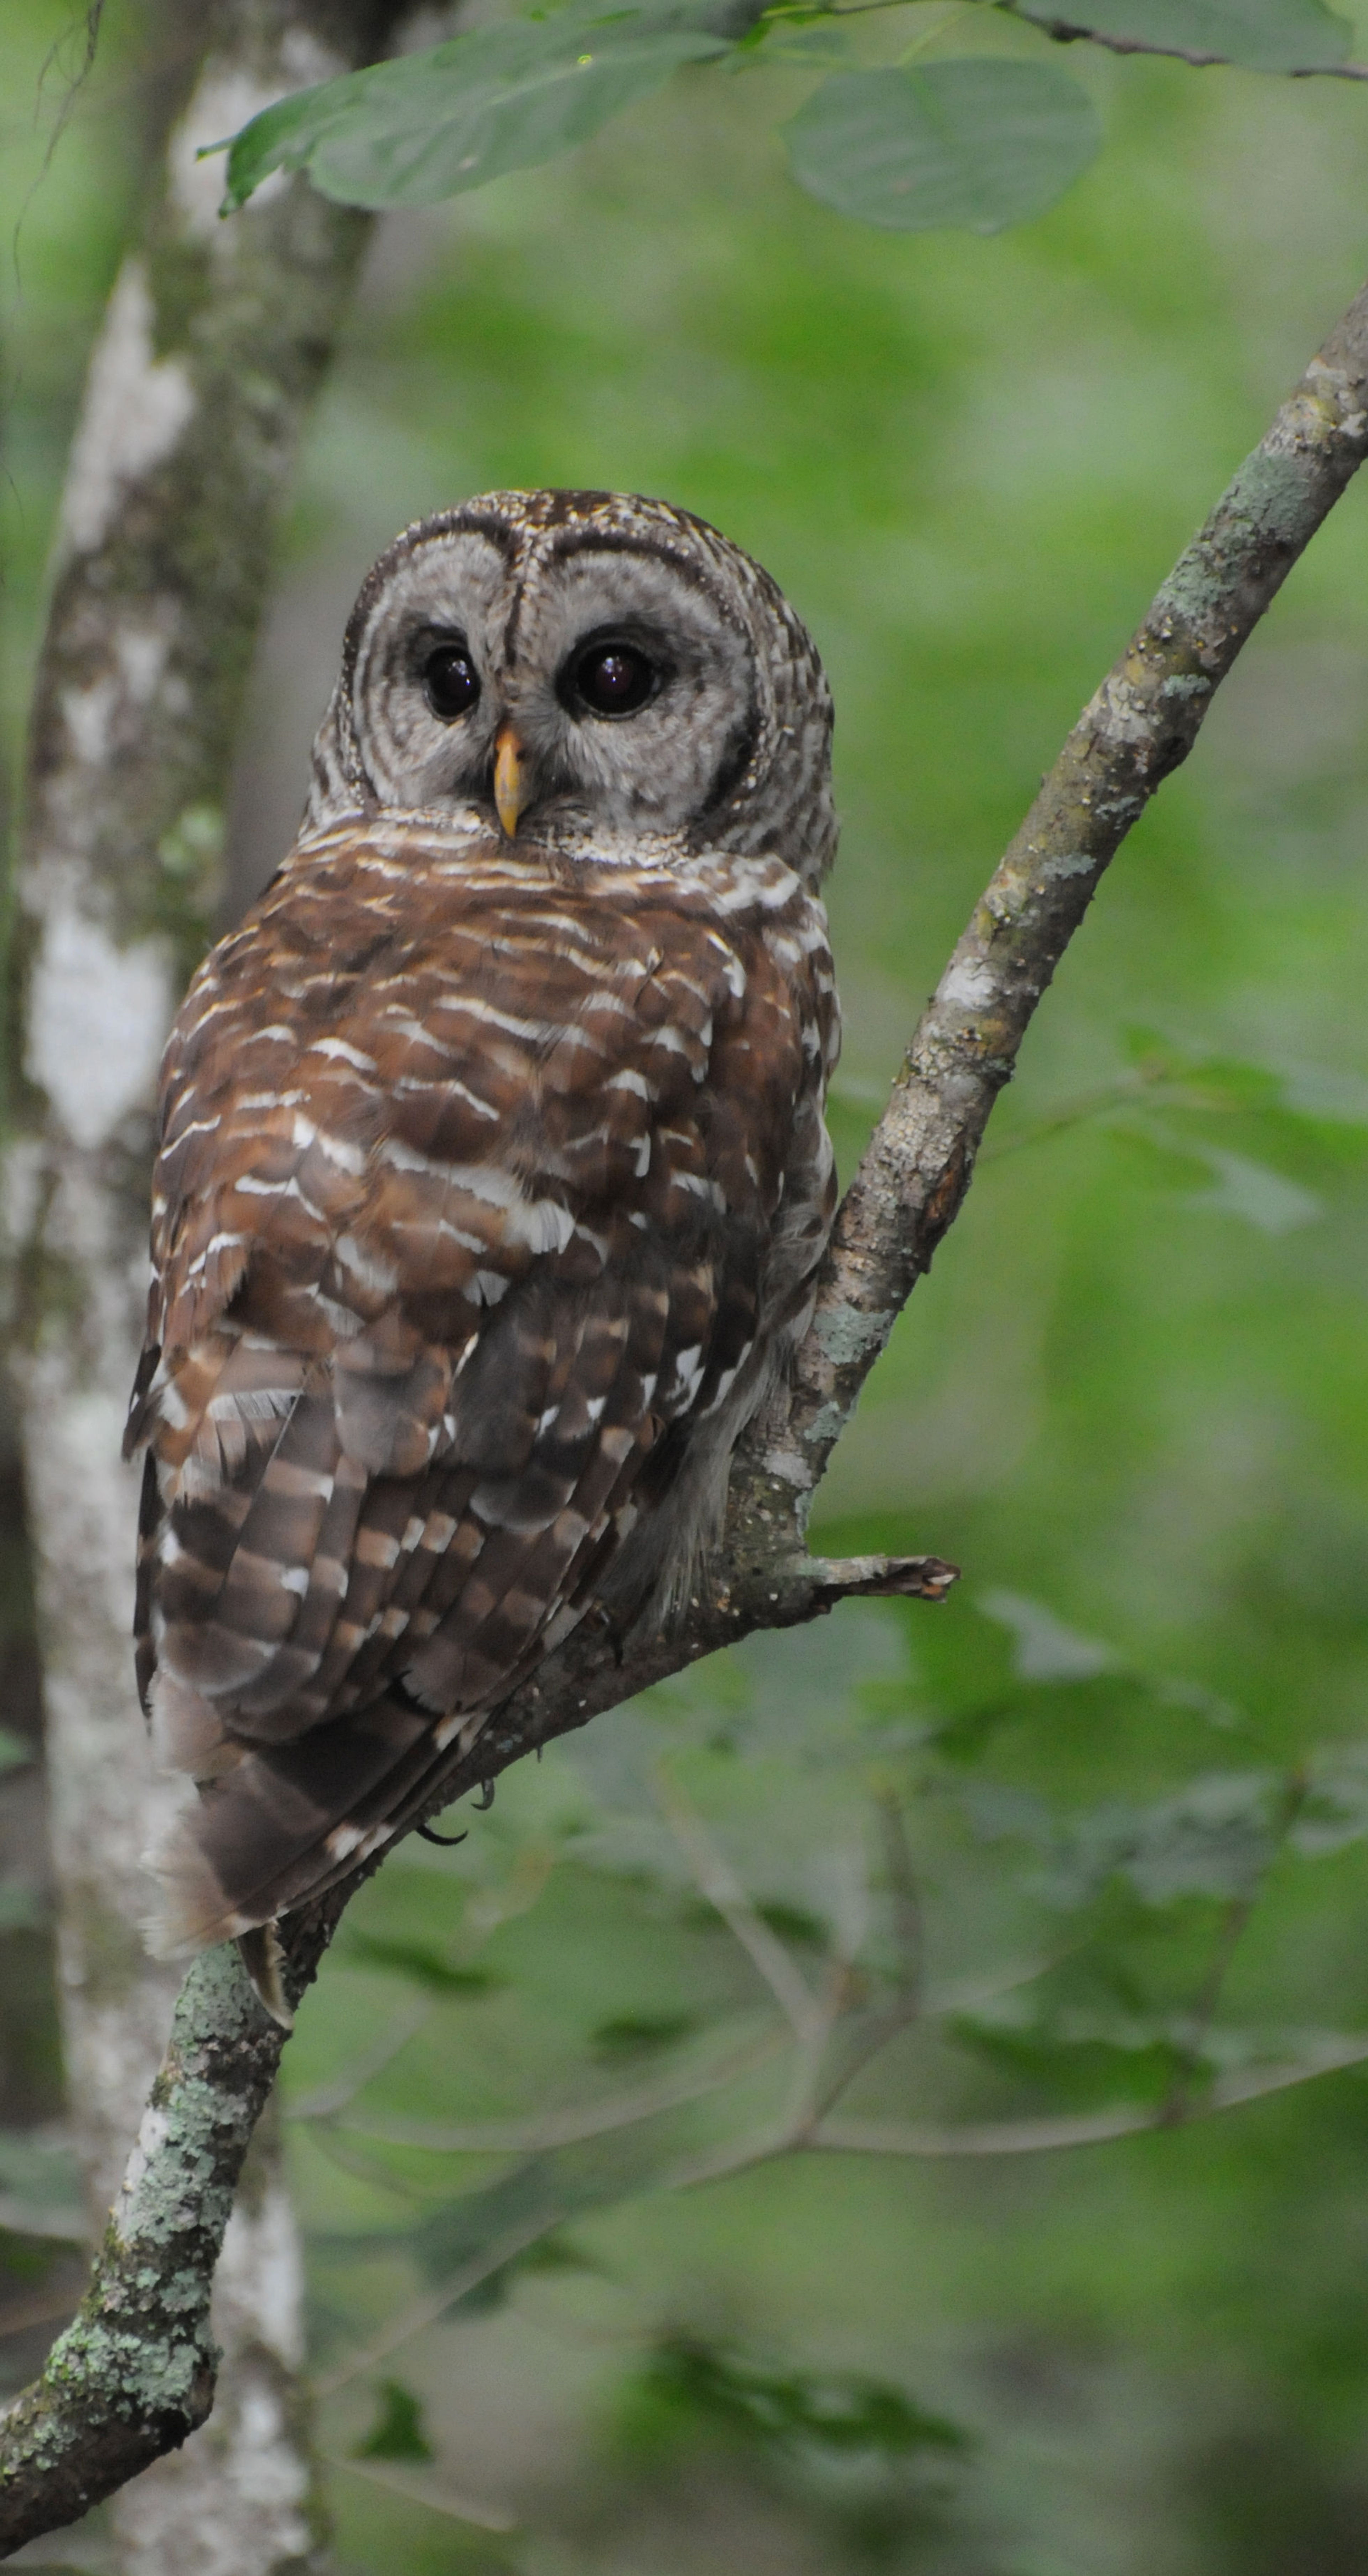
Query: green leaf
(635, 2034)
(976, 143)
(1334, 1811)
(397, 2433)
(1079, 2068)
(1240, 1185)
(467, 2239)
(688, 2384)
(411, 132)
(1215, 1838)
(14, 1752)
(819, 47)
(1263, 35)
(414, 1959)
(794, 1923)
(1205, 1081)
(1046, 1651)
(554, 2253)
(1317, 1096)
(1249, 1190)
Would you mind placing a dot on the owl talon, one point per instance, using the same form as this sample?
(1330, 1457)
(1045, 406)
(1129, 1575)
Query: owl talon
(601, 1619)
(264, 1960)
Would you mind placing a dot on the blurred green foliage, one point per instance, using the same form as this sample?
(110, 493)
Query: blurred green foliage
(397, 2433)
(1081, 1855)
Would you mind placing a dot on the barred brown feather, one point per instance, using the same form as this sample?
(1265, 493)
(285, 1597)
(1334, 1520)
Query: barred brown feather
(491, 1174)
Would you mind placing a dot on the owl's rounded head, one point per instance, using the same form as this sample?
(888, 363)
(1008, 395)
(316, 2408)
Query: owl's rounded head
(578, 665)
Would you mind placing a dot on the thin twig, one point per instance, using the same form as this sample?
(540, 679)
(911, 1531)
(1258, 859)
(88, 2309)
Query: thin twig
(75, 83)
(718, 1882)
(565, 2128)
(868, 2034)
(908, 1926)
(417, 2489)
(861, 2137)
(326, 2102)
(1156, 1090)
(426, 2311)
(1065, 33)
(816, 2085)
(807, 2098)
(1234, 1924)
(1088, 2129)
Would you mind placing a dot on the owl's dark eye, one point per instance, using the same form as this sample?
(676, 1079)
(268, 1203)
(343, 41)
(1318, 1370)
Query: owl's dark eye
(614, 679)
(450, 682)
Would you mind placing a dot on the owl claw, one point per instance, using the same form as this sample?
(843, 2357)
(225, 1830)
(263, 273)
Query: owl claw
(264, 1959)
(597, 1616)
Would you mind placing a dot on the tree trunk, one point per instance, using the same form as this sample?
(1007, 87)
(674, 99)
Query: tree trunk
(215, 341)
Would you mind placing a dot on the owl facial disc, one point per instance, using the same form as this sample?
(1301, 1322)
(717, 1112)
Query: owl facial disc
(575, 663)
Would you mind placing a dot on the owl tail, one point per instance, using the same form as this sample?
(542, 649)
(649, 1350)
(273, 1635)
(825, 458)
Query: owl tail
(280, 1823)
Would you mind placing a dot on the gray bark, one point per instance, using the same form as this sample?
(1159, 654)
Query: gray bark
(214, 342)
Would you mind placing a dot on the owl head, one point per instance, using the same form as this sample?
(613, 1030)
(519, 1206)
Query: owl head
(583, 668)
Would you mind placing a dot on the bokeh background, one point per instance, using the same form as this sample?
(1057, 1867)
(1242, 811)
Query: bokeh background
(1129, 1756)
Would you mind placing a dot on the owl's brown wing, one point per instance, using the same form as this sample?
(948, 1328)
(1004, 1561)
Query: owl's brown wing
(474, 1196)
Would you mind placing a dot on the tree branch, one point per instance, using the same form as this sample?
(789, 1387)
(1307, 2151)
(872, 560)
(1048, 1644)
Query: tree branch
(1084, 2128)
(1064, 32)
(75, 2434)
(134, 2372)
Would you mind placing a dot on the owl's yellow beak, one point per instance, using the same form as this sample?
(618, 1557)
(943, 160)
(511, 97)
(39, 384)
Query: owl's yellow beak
(510, 794)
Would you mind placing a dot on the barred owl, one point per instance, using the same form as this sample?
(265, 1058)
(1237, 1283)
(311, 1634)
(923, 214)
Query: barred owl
(492, 1174)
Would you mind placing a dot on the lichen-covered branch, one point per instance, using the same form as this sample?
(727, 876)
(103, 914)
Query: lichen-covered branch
(1139, 726)
(135, 2371)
